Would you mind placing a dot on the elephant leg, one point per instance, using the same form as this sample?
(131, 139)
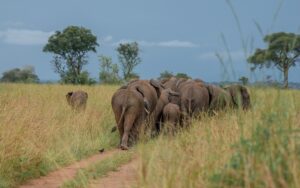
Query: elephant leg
(128, 123)
(121, 131)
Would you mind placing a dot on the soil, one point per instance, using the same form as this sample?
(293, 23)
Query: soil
(125, 177)
(57, 178)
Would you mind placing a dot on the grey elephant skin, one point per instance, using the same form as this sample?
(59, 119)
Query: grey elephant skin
(77, 99)
(171, 116)
(240, 96)
(132, 104)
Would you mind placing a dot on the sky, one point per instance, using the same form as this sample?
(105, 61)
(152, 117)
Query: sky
(173, 35)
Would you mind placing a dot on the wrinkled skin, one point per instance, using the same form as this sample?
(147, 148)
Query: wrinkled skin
(167, 96)
(77, 99)
(134, 103)
(194, 98)
(128, 107)
(150, 90)
(219, 98)
(171, 116)
(240, 96)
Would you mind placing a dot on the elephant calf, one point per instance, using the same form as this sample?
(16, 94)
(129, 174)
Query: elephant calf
(171, 116)
(77, 99)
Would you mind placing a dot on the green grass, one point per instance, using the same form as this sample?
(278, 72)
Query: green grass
(98, 170)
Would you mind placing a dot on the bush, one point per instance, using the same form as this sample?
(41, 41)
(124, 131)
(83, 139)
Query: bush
(25, 75)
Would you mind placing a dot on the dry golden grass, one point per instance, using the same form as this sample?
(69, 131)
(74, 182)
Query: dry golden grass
(205, 155)
(39, 131)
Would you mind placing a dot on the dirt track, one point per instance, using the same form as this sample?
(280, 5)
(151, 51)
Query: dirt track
(57, 178)
(124, 177)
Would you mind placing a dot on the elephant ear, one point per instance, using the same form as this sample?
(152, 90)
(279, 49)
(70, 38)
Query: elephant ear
(180, 81)
(157, 86)
(210, 93)
(173, 96)
(245, 97)
(68, 96)
(174, 93)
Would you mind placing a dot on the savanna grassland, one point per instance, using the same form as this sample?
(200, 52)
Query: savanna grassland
(259, 148)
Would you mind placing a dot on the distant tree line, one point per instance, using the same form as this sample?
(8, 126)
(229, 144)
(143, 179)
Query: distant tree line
(70, 49)
(20, 75)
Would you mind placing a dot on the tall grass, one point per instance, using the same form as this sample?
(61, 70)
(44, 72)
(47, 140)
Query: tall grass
(258, 148)
(39, 132)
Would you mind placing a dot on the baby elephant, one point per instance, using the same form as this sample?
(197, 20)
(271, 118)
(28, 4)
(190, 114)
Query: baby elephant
(77, 99)
(171, 117)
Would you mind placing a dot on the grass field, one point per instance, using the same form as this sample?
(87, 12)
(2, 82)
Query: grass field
(258, 148)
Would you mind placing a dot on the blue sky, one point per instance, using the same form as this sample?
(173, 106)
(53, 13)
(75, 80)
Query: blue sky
(174, 35)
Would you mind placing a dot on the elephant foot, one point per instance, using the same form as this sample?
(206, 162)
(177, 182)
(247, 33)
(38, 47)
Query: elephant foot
(124, 147)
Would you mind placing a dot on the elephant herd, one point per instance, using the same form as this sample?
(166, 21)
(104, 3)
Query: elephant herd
(166, 105)
(169, 104)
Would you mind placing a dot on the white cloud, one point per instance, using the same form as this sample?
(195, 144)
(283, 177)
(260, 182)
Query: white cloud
(25, 36)
(107, 38)
(167, 44)
(235, 55)
(177, 44)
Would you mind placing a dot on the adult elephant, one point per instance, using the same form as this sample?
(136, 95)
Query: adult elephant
(128, 107)
(219, 98)
(149, 89)
(239, 95)
(131, 105)
(194, 98)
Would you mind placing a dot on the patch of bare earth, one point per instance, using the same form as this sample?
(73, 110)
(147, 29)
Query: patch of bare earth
(57, 178)
(125, 177)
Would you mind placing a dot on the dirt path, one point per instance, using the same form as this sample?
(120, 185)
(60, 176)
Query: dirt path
(124, 177)
(57, 178)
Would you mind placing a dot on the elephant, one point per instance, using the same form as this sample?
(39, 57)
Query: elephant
(219, 98)
(128, 108)
(170, 83)
(239, 95)
(150, 90)
(166, 96)
(132, 104)
(194, 98)
(77, 99)
(171, 116)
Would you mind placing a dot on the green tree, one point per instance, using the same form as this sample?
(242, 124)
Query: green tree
(244, 80)
(182, 75)
(70, 48)
(283, 52)
(129, 59)
(25, 75)
(165, 74)
(109, 72)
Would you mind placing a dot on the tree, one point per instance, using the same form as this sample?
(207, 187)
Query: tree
(129, 58)
(109, 72)
(165, 75)
(70, 48)
(283, 52)
(25, 75)
(244, 80)
(182, 75)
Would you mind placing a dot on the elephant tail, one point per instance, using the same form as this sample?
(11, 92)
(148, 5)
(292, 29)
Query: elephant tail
(122, 116)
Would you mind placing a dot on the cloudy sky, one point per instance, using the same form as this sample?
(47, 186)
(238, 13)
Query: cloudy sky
(209, 39)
